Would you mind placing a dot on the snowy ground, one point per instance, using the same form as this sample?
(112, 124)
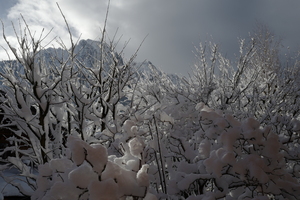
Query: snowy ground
(7, 189)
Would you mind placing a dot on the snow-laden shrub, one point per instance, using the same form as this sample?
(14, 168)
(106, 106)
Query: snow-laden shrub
(48, 94)
(230, 159)
(87, 172)
(200, 153)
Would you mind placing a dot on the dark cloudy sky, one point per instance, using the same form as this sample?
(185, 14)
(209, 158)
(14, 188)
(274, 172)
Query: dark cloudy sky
(173, 26)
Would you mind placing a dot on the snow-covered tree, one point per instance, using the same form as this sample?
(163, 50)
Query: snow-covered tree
(87, 124)
(260, 101)
(31, 95)
(195, 152)
(49, 94)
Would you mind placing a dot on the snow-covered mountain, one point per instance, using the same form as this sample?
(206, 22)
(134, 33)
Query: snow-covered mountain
(88, 52)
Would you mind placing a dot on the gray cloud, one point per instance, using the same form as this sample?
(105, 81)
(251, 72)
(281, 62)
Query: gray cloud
(174, 26)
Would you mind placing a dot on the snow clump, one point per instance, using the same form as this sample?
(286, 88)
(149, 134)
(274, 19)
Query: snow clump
(89, 173)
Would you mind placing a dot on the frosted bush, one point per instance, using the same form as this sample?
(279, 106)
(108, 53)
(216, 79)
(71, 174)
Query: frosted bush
(148, 137)
(257, 158)
(234, 160)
